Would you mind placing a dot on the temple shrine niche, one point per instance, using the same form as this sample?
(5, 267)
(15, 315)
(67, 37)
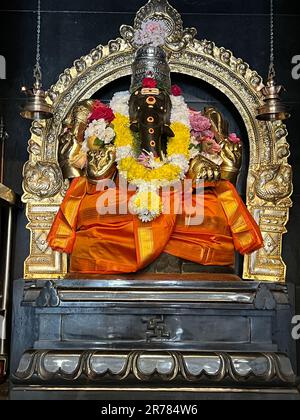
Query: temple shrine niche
(124, 288)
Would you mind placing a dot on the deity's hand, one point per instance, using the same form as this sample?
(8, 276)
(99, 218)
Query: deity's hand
(101, 163)
(231, 154)
(71, 158)
(203, 168)
(70, 155)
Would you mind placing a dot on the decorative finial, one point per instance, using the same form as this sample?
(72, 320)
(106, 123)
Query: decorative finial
(161, 12)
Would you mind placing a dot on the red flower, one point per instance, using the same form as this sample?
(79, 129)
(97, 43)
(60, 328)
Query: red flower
(98, 104)
(102, 111)
(149, 83)
(176, 90)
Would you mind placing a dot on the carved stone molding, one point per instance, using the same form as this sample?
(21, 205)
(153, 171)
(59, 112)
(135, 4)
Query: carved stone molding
(157, 329)
(170, 366)
(187, 293)
(48, 297)
(264, 298)
(269, 184)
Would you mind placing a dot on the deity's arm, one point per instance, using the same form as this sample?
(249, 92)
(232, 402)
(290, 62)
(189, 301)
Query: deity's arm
(75, 162)
(231, 153)
(202, 168)
(101, 163)
(71, 139)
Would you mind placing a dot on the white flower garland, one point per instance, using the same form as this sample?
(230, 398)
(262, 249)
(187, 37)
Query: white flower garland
(146, 203)
(120, 103)
(180, 111)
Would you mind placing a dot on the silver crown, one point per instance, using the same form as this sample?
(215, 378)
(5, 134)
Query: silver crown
(150, 62)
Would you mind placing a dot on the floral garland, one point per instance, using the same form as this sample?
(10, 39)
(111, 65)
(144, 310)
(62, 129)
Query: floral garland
(146, 203)
(192, 137)
(172, 168)
(203, 140)
(146, 172)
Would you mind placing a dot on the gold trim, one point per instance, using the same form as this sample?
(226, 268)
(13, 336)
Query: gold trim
(7, 195)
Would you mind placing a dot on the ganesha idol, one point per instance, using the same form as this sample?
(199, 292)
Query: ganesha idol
(125, 156)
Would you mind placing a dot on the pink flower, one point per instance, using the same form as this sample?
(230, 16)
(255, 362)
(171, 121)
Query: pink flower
(234, 138)
(208, 133)
(176, 90)
(152, 26)
(211, 146)
(144, 159)
(198, 122)
(152, 32)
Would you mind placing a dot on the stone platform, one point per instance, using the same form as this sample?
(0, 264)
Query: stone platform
(157, 336)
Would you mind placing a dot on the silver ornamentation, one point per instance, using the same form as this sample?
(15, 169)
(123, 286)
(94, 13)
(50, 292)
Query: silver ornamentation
(42, 179)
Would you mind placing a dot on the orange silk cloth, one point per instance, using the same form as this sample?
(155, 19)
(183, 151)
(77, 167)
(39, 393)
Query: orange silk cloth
(121, 243)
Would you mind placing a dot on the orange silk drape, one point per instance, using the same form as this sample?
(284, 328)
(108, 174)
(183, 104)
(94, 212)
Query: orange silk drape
(120, 243)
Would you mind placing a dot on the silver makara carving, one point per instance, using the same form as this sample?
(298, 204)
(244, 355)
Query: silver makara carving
(42, 179)
(273, 182)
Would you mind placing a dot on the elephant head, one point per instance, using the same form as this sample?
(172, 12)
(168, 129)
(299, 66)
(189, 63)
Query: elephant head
(150, 113)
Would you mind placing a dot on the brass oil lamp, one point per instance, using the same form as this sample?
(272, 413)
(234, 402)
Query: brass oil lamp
(273, 108)
(36, 106)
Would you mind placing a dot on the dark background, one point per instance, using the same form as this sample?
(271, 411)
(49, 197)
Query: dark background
(71, 29)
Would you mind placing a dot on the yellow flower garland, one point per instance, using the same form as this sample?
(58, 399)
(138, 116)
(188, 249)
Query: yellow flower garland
(179, 144)
(146, 203)
(124, 136)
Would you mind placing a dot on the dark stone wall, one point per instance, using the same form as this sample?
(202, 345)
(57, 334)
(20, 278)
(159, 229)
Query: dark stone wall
(73, 28)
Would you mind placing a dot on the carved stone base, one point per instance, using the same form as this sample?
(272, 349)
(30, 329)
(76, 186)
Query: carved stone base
(165, 375)
(150, 334)
(164, 368)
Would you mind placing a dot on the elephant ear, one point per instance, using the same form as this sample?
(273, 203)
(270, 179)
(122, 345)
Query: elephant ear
(167, 131)
(133, 107)
(134, 126)
(168, 109)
